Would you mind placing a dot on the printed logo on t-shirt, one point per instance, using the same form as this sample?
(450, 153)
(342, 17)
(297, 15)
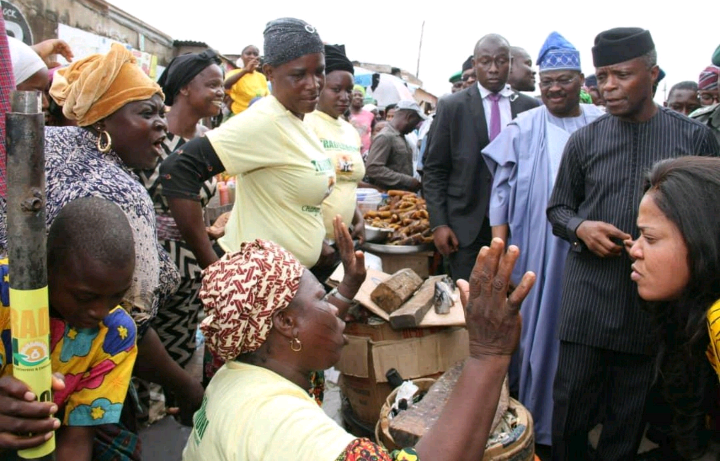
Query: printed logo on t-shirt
(322, 166)
(329, 144)
(325, 166)
(345, 164)
(200, 421)
(314, 210)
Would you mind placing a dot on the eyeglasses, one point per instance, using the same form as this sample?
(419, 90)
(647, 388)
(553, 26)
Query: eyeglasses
(562, 81)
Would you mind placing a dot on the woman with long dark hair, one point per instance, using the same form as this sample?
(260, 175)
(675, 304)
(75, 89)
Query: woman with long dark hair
(677, 270)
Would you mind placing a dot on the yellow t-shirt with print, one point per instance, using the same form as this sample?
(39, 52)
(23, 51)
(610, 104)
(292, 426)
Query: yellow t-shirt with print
(249, 87)
(713, 323)
(342, 144)
(250, 413)
(284, 176)
(97, 363)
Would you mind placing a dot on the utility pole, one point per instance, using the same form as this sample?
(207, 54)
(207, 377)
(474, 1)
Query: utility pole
(422, 31)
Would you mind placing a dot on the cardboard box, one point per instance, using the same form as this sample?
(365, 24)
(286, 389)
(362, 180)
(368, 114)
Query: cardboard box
(364, 362)
(384, 332)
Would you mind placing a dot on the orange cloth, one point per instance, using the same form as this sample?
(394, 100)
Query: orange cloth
(93, 88)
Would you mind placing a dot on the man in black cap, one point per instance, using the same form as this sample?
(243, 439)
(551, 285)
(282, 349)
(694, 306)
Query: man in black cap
(389, 163)
(606, 362)
(592, 89)
(468, 73)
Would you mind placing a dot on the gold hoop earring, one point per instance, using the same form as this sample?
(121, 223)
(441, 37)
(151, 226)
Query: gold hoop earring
(295, 345)
(108, 145)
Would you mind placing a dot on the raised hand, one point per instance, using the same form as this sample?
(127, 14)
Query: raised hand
(492, 317)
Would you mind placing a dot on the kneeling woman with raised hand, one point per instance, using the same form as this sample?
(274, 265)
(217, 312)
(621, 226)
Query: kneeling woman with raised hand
(677, 270)
(272, 322)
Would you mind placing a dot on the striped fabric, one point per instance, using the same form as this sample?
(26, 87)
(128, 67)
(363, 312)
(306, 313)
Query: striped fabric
(600, 179)
(7, 85)
(592, 382)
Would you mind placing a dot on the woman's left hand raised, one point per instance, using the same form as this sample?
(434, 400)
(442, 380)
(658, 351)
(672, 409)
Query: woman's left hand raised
(353, 261)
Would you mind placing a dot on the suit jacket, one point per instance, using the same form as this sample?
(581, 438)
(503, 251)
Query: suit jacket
(456, 181)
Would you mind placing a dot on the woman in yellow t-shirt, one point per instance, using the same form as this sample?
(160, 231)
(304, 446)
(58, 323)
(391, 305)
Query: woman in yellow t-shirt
(245, 84)
(283, 171)
(677, 270)
(275, 335)
(342, 144)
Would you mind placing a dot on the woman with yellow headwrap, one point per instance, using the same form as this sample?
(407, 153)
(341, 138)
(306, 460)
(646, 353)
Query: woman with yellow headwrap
(271, 321)
(121, 125)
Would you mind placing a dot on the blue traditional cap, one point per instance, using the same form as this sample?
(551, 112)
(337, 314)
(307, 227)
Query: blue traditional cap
(558, 54)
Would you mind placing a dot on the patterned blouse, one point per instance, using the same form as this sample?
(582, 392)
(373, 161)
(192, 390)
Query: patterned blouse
(365, 450)
(75, 168)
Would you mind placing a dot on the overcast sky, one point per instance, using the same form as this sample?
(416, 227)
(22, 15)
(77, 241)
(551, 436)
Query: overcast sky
(388, 31)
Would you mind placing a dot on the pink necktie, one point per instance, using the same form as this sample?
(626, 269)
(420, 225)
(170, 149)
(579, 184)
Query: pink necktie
(494, 115)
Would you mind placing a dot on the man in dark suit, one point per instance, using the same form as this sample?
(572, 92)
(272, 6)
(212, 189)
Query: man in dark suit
(456, 181)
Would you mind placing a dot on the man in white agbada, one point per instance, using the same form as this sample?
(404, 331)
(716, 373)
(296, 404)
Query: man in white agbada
(524, 160)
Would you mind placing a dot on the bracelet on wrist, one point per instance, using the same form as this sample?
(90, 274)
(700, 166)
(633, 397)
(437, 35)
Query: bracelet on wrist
(336, 294)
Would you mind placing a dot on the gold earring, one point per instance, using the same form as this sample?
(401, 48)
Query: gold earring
(108, 145)
(295, 345)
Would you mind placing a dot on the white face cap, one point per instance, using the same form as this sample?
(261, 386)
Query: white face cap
(406, 104)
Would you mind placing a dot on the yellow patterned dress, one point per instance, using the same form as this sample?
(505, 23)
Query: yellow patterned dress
(97, 362)
(713, 323)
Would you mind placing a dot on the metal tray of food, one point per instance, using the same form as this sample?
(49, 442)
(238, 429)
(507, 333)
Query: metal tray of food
(396, 249)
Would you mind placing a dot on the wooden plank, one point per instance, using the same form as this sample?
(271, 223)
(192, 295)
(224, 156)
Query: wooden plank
(390, 294)
(410, 425)
(372, 280)
(455, 318)
(410, 314)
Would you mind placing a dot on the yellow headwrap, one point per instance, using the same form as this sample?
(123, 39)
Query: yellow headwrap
(93, 88)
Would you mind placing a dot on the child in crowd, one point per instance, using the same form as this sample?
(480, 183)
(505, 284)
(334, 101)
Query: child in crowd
(91, 260)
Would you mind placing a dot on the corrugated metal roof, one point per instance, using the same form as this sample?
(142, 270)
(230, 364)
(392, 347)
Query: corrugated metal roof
(190, 43)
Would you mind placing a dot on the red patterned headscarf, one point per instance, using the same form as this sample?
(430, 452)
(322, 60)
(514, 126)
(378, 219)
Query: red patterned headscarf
(242, 291)
(709, 78)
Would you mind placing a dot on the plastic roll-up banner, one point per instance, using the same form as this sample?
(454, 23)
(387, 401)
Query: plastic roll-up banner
(30, 332)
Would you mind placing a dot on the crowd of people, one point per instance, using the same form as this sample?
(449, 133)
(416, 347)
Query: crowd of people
(582, 226)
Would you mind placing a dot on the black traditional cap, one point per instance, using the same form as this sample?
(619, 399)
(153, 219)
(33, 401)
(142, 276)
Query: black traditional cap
(336, 59)
(467, 64)
(621, 44)
(590, 81)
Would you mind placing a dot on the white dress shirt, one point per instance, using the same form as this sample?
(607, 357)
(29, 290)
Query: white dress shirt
(504, 102)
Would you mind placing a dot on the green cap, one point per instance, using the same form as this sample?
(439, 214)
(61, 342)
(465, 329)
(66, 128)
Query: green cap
(456, 77)
(716, 57)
